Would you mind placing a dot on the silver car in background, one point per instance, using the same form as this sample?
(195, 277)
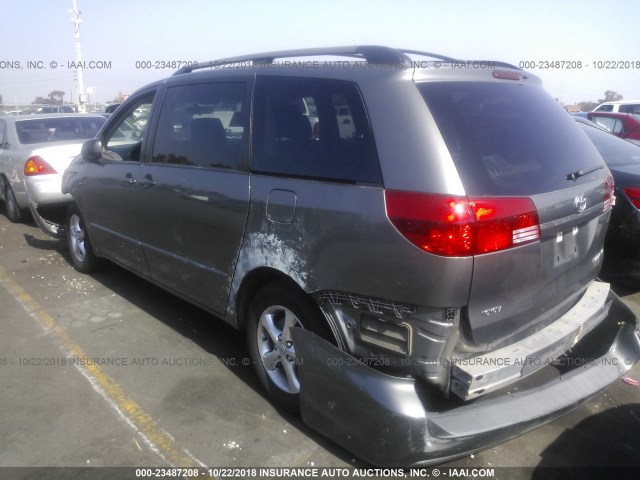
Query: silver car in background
(34, 153)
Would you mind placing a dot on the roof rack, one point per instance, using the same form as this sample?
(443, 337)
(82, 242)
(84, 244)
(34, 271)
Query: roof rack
(371, 53)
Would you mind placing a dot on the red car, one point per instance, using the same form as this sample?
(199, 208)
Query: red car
(624, 125)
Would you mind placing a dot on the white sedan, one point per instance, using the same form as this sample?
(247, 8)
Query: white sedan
(34, 153)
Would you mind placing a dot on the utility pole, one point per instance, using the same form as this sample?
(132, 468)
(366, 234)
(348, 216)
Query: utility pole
(76, 20)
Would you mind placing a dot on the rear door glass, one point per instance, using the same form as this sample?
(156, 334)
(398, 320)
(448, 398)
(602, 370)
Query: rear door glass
(313, 128)
(509, 139)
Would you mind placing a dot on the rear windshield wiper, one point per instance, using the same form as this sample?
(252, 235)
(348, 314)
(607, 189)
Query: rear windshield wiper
(581, 173)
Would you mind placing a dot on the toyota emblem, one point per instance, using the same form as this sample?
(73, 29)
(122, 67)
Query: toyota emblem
(580, 203)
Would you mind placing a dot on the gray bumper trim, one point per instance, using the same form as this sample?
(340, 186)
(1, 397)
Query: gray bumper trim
(52, 229)
(480, 375)
(390, 421)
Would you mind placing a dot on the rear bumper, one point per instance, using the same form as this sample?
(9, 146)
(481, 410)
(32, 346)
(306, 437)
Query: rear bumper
(46, 189)
(390, 421)
(53, 229)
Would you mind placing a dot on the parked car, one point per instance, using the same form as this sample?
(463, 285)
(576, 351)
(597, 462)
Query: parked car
(623, 125)
(34, 153)
(623, 159)
(54, 109)
(622, 106)
(420, 285)
(111, 108)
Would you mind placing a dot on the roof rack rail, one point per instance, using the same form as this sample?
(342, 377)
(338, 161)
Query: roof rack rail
(371, 53)
(454, 60)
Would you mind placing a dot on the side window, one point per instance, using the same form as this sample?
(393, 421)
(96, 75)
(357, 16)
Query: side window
(201, 125)
(313, 128)
(630, 108)
(124, 140)
(604, 108)
(3, 135)
(605, 122)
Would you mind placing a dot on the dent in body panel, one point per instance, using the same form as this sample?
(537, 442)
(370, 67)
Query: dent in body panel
(342, 241)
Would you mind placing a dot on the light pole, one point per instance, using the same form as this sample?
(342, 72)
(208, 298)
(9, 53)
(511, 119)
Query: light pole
(76, 20)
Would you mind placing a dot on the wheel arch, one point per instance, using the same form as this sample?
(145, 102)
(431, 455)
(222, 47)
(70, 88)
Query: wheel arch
(254, 281)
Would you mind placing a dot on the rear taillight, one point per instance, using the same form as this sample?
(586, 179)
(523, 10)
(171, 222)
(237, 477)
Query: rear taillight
(37, 166)
(633, 193)
(609, 196)
(457, 226)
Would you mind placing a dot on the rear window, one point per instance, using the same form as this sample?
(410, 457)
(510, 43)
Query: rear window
(508, 139)
(58, 129)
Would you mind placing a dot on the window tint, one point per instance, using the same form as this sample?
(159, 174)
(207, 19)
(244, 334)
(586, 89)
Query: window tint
(201, 125)
(3, 135)
(604, 108)
(124, 140)
(313, 128)
(58, 129)
(507, 139)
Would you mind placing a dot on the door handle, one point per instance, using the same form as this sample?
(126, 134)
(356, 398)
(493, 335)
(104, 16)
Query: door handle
(129, 180)
(148, 181)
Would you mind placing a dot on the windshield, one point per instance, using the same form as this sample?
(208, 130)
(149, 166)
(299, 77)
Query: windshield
(509, 139)
(47, 130)
(615, 151)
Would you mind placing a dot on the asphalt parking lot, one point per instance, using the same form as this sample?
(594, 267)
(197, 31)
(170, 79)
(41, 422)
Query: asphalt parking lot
(108, 370)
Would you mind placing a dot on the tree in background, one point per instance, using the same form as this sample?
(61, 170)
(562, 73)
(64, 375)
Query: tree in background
(610, 96)
(57, 97)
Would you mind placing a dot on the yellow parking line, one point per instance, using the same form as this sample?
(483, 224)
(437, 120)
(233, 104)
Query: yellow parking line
(152, 434)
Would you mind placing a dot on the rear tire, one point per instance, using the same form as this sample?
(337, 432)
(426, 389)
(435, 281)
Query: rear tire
(272, 312)
(14, 212)
(80, 249)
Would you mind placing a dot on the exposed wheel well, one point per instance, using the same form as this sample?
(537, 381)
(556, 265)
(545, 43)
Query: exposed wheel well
(257, 279)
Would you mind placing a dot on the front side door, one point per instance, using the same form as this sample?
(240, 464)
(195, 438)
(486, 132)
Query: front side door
(110, 194)
(195, 190)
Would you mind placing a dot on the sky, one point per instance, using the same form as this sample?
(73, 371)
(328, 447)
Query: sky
(37, 39)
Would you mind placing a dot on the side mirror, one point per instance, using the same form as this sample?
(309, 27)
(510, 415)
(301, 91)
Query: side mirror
(91, 150)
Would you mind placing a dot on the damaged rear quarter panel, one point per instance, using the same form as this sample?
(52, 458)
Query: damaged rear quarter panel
(340, 239)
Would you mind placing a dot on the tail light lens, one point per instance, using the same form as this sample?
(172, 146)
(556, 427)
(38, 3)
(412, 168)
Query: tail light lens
(37, 166)
(609, 196)
(457, 226)
(633, 193)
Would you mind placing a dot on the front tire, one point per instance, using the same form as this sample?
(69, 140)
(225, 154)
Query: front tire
(273, 312)
(80, 249)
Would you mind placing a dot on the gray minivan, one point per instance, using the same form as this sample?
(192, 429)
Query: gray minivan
(416, 269)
